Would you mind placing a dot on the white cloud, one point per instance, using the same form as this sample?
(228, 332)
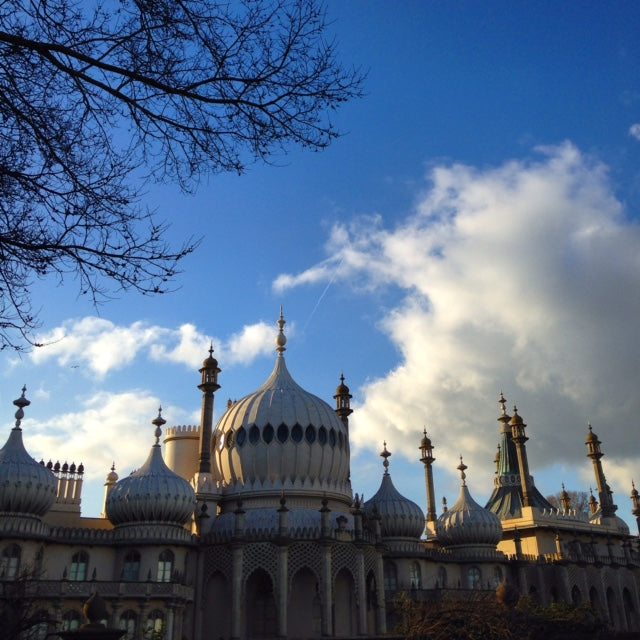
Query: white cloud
(634, 131)
(253, 341)
(94, 433)
(101, 346)
(523, 277)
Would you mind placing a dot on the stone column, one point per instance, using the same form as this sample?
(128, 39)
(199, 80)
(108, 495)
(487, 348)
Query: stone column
(169, 631)
(327, 591)
(236, 591)
(362, 596)
(381, 608)
(283, 589)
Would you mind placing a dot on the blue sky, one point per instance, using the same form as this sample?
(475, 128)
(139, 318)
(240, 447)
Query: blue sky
(475, 229)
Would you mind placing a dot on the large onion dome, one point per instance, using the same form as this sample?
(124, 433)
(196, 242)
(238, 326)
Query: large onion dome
(467, 524)
(153, 493)
(26, 487)
(399, 516)
(282, 437)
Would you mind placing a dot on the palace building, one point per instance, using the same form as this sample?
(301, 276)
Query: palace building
(249, 528)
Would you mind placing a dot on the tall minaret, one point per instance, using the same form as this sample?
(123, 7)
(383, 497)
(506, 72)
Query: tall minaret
(635, 497)
(427, 459)
(208, 386)
(519, 438)
(605, 494)
(343, 402)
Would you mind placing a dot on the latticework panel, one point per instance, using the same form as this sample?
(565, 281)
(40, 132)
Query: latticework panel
(261, 555)
(218, 558)
(344, 556)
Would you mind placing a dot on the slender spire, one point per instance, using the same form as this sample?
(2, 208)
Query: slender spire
(519, 438)
(208, 385)
(426, 449)
(605, 494)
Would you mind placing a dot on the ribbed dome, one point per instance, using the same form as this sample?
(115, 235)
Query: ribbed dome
(467, 523)
(153, 493)
(399, 516)
(26, 487)
(282, 437)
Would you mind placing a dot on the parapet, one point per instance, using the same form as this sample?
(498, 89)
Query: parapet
(188, 431)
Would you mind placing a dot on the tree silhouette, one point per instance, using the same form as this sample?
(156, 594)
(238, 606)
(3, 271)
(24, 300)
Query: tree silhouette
(96, 99)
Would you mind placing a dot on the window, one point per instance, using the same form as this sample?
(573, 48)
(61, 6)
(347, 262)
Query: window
(442, 578)
(283, 433)
(474, 577)
(390, 576)
(70, 621)
(79, 563)
(155, 624)
(131, 568)
(415, 576)
(165, 566)
(267, 433)
(128, 624)
(10, 562)
(497, 576)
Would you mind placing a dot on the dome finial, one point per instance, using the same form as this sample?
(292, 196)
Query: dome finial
(385, 454)
(159, 421)
(461, 467)
(21, 403)
(502, 401)
(281, 339)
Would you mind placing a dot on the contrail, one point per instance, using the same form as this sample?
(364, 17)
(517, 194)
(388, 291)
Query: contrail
(322, 295)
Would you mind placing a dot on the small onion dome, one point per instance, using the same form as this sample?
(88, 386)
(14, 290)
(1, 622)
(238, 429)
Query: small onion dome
(466, 523)
(399, 516)
(26, 487)
(425, 443)
(591, 437)
(153, 493)
(342, 389)
(112, 476)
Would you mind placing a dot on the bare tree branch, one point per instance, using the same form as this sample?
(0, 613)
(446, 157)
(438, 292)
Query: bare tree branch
(93, 94)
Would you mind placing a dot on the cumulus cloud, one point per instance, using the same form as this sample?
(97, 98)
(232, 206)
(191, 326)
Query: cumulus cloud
(634, 131)
(523, 277)
(94, 432)
(101, 346)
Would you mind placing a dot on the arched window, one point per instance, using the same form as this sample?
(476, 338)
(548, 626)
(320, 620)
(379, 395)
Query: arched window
(442, 578)
(165, 566)
(128, 624)
(576, 596)
(415, 576)
(131, 567)
(154, 628)
(390, 576)
(10, 562)
(497, 576)
(79, 564)
(70, 620)
(474, 578)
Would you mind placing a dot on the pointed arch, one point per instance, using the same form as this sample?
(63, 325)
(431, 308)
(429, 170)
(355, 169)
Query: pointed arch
(345, 608)
(372, 604)
(217, 606)
(576, 595)
(304, 613)
(260, 601)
